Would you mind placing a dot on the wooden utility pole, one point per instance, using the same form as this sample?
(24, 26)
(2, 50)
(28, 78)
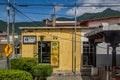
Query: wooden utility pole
(8, 26)
(13, 31)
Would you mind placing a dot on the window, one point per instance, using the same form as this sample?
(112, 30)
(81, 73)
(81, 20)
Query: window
(88, 50)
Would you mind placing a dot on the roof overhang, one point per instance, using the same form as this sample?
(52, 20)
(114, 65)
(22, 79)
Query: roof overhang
(78, 27)
(107, 33)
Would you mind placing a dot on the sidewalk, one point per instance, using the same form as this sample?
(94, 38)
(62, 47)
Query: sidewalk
(68, 76)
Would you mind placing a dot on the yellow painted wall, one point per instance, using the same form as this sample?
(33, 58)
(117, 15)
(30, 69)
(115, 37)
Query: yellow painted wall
(65, 39)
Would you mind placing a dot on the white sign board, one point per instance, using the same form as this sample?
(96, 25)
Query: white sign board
(29, 39)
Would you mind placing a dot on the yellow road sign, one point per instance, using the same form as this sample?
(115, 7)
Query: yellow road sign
(8, 50)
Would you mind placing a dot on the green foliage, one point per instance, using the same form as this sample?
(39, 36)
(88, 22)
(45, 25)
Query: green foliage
(64, 19)
(25, 64)
(42, 71)
(14, 75)
(3, 25)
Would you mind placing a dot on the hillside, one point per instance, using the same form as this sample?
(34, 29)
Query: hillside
(106, 13)
(3, 25)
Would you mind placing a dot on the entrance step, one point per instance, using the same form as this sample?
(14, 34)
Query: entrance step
(64, 78)
(86, 71)
(68, 76)
(65, 75)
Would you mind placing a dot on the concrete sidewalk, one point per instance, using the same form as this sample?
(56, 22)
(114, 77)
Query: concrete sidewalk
(68, 76)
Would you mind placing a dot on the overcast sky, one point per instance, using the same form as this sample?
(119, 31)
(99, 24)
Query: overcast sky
(37, 13)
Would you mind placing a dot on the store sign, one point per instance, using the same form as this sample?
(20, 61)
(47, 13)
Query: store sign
(55, 53)
(29, 39)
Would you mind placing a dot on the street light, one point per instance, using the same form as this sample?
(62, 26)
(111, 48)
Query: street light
(40, 54)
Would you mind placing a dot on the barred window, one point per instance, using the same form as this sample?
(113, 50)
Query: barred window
(88, 50)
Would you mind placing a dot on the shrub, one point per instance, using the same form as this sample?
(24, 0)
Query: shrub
(42, 71)
(25, 64)
(14, 75)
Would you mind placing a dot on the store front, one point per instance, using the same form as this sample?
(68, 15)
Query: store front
(53, 46)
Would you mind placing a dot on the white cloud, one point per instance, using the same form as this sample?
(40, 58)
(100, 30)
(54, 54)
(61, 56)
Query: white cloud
(58, 8)
(82, 10)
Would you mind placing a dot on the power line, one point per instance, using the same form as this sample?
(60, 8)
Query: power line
(46, 14)
(73, 5)
(25, 15)
(3, 3)
(68, 5)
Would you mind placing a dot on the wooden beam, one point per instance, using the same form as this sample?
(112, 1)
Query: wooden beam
(99, 40)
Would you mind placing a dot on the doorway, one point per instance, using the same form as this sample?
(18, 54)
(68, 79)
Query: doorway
(45, 53)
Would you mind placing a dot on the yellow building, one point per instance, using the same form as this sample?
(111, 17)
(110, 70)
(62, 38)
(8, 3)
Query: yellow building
(58, 46)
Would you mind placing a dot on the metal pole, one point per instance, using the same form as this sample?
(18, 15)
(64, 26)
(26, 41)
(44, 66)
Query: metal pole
(8, 25)
(107, 75)
(13, 30)
(74, 55)
(114, 61)
(41, 51)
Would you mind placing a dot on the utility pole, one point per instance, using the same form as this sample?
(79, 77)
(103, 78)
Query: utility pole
(8, 26)
(13, 30)
(74, 53)
(54, 18)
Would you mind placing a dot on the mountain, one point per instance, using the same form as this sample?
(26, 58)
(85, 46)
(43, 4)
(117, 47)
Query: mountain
(106, 13)
(63, 19)
(3, 25)
(28, 24)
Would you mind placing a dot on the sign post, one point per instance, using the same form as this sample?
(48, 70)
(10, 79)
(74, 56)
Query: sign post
(8, 51)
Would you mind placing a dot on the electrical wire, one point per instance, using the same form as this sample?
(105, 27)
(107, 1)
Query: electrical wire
(46, 14)
(73, 5)
(68, 5)
(3, 3)
(25, 16)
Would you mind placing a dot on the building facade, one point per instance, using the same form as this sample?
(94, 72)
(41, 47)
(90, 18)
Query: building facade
(53, 45)
(97, 22)
(56, 45)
